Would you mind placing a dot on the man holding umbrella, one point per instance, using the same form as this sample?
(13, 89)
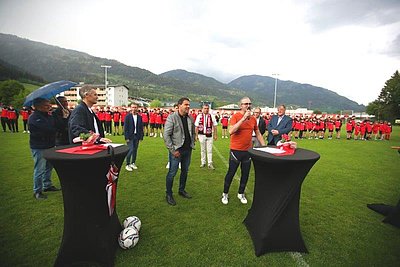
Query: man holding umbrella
(43, 135)
(83, 119)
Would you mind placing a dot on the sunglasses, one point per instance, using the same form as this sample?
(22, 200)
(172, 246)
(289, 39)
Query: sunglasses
(249, 104)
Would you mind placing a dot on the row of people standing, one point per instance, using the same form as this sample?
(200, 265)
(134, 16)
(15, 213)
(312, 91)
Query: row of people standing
(10, 116)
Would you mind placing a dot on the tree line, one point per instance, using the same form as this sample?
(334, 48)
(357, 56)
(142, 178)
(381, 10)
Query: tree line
(387, 105)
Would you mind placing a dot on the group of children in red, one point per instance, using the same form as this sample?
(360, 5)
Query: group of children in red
(9, 118)
(314, 127)
(153, 120)
(311, 127)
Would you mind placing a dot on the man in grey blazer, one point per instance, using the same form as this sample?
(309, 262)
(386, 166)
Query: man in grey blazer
(179, 138)
(278, 125)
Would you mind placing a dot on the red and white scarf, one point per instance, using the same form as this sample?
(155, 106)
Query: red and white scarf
(208, 131)
(111, 188)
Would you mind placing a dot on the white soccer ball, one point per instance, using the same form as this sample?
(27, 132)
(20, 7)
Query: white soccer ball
(128, 238)
(133, 221)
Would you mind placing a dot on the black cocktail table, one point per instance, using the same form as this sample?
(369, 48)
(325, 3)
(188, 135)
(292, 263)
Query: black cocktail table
(273, 219)
(90, 234)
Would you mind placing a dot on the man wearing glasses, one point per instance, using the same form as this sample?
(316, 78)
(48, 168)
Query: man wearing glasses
(242, 125)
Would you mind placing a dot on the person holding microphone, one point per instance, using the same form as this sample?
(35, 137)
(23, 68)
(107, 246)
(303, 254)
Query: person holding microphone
(242, 125)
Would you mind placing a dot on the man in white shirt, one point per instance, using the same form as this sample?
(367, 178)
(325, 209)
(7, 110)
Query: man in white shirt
(206, 132)
(133, 132)
(83, 119)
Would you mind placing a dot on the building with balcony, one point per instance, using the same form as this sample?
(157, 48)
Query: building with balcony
(114, 95)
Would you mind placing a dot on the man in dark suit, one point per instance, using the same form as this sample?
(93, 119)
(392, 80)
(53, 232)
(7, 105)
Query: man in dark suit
(133, 131)
(83, 119)
(261, 126)
(278, 125)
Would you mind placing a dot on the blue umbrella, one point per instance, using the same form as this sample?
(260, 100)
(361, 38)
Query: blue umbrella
(48, 91)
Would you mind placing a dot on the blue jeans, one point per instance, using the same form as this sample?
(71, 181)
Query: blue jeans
(132, 153)
(41, 171)
(184, 159)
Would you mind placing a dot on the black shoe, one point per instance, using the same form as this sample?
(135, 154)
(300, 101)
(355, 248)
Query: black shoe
(185, 194)
(39, 196)
(170, 200)
(51, 189)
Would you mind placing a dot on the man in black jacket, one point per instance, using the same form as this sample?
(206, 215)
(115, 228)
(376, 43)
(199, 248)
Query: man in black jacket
(43, 134)
(61, 116)
(83, 119)
(261, 126)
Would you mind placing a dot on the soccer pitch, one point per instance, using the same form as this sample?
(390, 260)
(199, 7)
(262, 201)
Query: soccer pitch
(337, 227)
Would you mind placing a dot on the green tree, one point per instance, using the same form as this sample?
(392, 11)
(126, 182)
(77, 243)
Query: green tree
(19, 99)
(155, 103)
(387, 105)
(9, 90)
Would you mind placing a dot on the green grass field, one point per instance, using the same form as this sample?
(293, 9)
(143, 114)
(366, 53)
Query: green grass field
(338, 228)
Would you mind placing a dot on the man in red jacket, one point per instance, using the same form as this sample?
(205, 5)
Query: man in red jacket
(108, 119)
(12, 119)
(4, 119)
(25, 112)
(116, 118)
(338, 126)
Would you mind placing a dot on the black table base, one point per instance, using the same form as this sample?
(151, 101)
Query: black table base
(273, 219)
(392, 213)
(90, 234)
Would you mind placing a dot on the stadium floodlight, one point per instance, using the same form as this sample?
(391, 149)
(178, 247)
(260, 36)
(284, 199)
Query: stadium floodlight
(276, 86)
(105, 81)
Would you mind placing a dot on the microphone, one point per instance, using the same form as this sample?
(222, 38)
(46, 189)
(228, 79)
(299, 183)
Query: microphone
(248, 108)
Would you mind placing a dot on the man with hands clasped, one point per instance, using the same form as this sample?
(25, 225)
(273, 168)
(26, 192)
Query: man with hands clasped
(206, 132)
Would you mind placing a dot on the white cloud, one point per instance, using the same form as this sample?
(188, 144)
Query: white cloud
(323, 44)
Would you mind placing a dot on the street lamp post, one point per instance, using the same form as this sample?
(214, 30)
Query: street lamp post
(276, 85)
(105, 81)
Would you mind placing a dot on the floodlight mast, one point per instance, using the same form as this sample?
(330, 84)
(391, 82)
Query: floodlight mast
(105, 81)
(276, 86)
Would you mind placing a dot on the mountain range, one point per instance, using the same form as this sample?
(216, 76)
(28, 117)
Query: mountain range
(52, 63)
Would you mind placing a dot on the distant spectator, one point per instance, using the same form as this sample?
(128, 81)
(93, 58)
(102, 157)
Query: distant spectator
(4, 119)
(13, 119)
(25, 112)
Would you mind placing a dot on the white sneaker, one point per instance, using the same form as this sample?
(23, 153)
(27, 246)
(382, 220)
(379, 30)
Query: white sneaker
(128, 168)
(224, 199)
(24, 131)
(133, 166)
(167, 167)
(161, 135)
(179, 165)
(242, 198)
(155, 135)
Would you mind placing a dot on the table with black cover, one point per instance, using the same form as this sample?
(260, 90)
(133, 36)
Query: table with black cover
(90, 234)
(273, 219)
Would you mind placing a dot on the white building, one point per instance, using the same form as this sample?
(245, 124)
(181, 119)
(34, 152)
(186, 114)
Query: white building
(116, 95)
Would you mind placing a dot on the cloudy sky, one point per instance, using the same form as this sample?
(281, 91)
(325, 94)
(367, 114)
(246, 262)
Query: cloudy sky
(348, 46)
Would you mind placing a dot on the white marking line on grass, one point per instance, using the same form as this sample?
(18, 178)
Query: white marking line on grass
(296, 256)
(298, 259)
